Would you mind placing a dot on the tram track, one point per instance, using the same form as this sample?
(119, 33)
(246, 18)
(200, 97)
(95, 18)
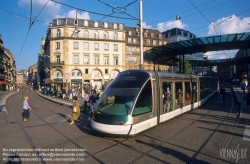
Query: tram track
(122, 141)
(31, 142)
(178, 133)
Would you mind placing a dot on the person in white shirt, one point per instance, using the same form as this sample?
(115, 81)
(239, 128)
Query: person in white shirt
(92, 107)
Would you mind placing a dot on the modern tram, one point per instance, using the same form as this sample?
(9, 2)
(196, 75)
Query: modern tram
(134, 101)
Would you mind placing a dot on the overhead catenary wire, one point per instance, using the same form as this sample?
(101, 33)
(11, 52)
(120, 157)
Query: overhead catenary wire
(92, 11)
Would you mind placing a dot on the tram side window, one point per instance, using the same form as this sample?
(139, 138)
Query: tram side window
(187, 93)
(144, 101)
(194, 92)
(178, 95)
(167, 96)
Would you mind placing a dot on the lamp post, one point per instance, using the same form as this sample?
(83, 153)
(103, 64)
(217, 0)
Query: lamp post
(141, 37)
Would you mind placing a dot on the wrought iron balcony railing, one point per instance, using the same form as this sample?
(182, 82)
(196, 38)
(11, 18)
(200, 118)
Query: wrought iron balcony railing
(56, 63)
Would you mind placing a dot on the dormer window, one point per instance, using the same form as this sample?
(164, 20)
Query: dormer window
(160, 36)
(115, 26)
(169, 34)
(152, 35)
(145, 34)
(188, 34)
(120, 26)
(85, 23)
(105, 25)
(96, 24)
(59, 21)
(181, 32)
(130, 33)
(75, 22)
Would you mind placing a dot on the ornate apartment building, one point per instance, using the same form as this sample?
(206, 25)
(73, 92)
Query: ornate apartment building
(83, 52)
(151, 38)
(7, 68)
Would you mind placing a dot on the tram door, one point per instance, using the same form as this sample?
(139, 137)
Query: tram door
(166, 92)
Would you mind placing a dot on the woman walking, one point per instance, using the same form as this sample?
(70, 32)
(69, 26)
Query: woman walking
(76, 110)
(26, 108)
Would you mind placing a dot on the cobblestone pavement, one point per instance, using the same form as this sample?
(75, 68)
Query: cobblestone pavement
(203, 135)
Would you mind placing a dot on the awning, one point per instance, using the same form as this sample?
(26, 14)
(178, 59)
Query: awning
(3, 82)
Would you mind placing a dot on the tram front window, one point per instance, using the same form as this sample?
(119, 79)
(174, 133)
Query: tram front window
(117, 101)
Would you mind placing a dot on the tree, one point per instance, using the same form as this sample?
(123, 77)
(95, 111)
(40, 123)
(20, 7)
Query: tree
(187, 66)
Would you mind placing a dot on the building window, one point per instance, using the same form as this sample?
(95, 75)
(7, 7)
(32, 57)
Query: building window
(115, 47)
(76, 46)
(115, 60)
(154, 42)
(134, 40)
(152, 35)
(134, 60)
(76, 33)
(86, 71)
(148, 41)
(106, 47)
(169, 34)
(58, 34)
(181, 32)
(130, 33)
(85, 23)
(129, 49)
(188, 34)
(130, 59)
(57, 45)
(86, 46)
(115, 36)
(75, 59)
(134, 49)
(106, 60)
(115, 26)
(75, 22)
(129, 40)
(120, 26)
(106, 71)
(160, 36)
(96, 24)
(105, 25)
(145, 34)
(58, 58)
(86, 60)
(86, 34)
(96, 58)
(96, 46)
(160, 42)
(106, 35)
(96, 35)
(59, 21)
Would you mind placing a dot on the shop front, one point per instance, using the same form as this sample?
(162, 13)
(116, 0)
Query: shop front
(76, 80)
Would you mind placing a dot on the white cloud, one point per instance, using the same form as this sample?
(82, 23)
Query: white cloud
(144, 25)
(164, 26)
(221, 54)
(229, 25)
(72, 14)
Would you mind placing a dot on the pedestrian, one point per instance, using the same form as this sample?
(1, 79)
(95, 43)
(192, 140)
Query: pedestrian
(86, 101)
(70, 93)
(76, 110)
(92, 107)
(243, 87)
(63, 93)
(248, 97)
(223, 95)
(180, 100)
(220, 97)
(26, 108)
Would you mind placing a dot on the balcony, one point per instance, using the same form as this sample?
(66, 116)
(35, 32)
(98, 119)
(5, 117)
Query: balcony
(56, 63)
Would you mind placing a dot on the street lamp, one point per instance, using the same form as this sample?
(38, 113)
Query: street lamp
(141, 37)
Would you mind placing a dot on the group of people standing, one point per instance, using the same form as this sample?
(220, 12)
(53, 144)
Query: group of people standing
(247, 96)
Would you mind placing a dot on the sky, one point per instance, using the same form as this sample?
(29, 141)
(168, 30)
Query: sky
(201, 17)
